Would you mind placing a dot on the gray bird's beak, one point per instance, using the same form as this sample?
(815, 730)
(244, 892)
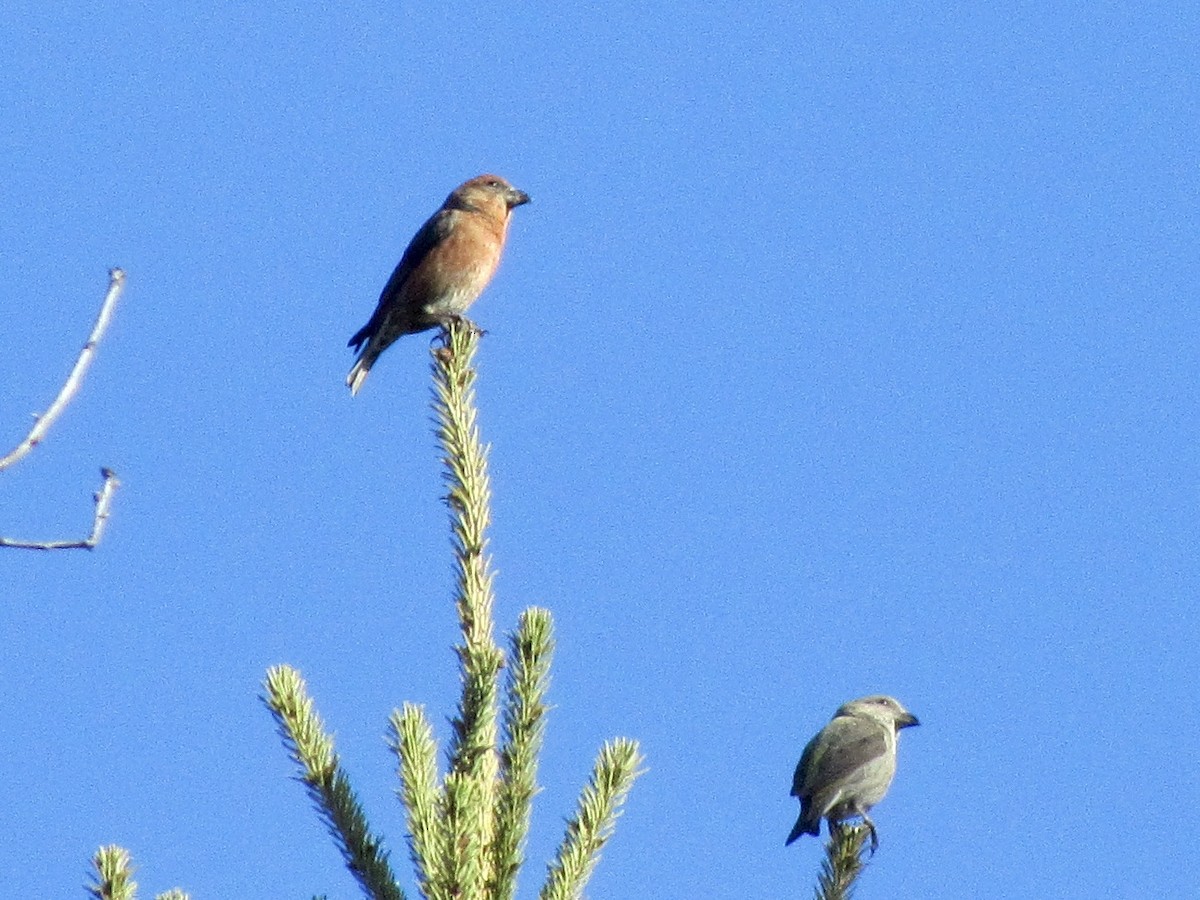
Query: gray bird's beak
(907, 721)
(516, 198)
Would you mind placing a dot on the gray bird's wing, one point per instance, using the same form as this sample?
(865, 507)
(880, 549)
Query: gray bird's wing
(843, 746)
(802, 768)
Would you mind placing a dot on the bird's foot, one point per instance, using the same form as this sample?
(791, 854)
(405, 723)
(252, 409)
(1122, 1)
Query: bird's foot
(462, 322)
(874, 836)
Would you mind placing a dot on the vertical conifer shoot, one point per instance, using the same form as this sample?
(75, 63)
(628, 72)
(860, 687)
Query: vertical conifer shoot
(466, 828)
(843, 861)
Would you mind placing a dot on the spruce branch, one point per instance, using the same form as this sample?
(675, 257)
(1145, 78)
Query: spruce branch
(467, 829)
(416, 751)
(472, 751)
(114, 877)
(531, 647)
(843, 861)
(595, 818)
(311, 747)
(114, 874)
(466, 816)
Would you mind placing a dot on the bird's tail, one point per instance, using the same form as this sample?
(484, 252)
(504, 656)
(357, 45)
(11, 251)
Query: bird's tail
(358, 372)
(804, 826)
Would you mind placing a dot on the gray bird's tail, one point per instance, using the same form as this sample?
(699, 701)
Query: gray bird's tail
(804, 826)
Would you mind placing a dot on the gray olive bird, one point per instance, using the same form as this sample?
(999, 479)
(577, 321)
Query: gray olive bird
(847, 768)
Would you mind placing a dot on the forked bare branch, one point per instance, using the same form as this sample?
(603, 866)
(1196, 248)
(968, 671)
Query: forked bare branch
(103, 498)
(42, 423)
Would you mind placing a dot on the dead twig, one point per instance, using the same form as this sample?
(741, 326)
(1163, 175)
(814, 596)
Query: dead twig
(42, 423)
(103, 498)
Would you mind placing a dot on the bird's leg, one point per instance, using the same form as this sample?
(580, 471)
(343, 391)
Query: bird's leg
(874, 836)
(463, 322)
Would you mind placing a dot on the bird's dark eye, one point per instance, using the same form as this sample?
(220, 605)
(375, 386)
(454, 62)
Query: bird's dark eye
(494, 183)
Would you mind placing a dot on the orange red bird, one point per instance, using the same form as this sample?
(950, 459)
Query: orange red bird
(443, 271)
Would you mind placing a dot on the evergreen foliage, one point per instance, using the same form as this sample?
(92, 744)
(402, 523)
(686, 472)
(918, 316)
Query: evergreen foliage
(467, 828)
(843, 861)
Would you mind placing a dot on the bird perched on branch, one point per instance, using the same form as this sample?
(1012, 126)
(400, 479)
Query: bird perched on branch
(445, 268)
(847, 768)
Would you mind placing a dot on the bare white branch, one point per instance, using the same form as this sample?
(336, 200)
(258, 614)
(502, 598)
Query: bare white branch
(103, 498)
(43, 422)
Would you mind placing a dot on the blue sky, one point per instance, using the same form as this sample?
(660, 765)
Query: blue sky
(841, 350)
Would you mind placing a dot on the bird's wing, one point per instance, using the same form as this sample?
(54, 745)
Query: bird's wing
(433, 232)
(802, 767)
(846, 744)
